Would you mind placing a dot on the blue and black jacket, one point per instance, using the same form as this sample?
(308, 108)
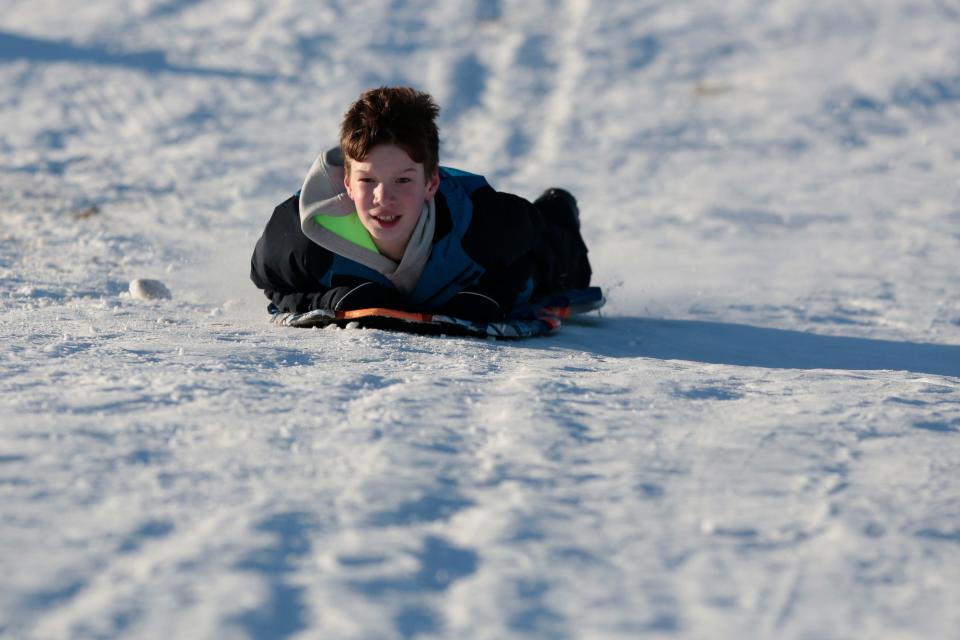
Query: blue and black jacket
(484, 241)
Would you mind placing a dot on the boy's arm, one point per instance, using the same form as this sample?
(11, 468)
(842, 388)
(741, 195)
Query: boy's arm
(344, 298)
(283, 260)
(289, 268)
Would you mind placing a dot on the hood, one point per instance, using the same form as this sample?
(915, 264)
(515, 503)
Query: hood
(329, 218)
(323, 192)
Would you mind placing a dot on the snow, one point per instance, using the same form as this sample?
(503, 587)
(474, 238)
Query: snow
(759, 437)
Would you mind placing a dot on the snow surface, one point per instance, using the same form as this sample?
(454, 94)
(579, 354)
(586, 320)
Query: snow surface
(760, 437)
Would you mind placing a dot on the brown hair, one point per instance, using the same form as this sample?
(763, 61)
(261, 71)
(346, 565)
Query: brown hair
(392, 115)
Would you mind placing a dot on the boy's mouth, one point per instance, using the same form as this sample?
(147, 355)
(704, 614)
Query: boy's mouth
(386, 221)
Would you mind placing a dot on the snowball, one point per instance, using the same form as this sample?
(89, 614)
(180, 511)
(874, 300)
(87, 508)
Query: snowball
(145, 289)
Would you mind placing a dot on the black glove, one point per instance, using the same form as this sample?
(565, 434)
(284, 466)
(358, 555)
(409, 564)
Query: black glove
(362, 296)
(472, 305)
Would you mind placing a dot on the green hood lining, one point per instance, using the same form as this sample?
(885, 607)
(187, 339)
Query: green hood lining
(349, 228)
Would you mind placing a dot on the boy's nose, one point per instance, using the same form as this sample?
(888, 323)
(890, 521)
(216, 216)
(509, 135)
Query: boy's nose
(380, 193)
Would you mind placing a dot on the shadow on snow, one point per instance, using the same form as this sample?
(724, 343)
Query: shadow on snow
(285, 610)
(18, 47)
(749, 346)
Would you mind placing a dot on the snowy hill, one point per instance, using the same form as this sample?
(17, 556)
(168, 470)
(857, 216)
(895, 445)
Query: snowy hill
(759, 438)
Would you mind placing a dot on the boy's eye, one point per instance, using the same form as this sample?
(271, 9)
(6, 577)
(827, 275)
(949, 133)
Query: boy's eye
(403, 180)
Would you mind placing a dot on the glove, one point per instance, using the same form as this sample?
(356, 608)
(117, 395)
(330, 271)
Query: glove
(472, 305)
(362, 296)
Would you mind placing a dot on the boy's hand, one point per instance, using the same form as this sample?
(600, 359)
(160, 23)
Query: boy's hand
(362, 296)
(472, 305)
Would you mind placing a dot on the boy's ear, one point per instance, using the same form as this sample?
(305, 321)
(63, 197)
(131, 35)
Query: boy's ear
(346, 183)
(433, 183)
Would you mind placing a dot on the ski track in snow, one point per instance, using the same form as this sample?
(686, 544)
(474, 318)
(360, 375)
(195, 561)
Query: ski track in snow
(757, 438)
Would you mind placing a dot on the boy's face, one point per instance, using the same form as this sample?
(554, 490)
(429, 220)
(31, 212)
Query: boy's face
(389, 189)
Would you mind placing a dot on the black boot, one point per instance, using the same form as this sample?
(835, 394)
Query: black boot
(561, 256)
(559, 207)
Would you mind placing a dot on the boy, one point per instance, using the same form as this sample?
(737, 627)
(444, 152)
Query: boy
(378, 223)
